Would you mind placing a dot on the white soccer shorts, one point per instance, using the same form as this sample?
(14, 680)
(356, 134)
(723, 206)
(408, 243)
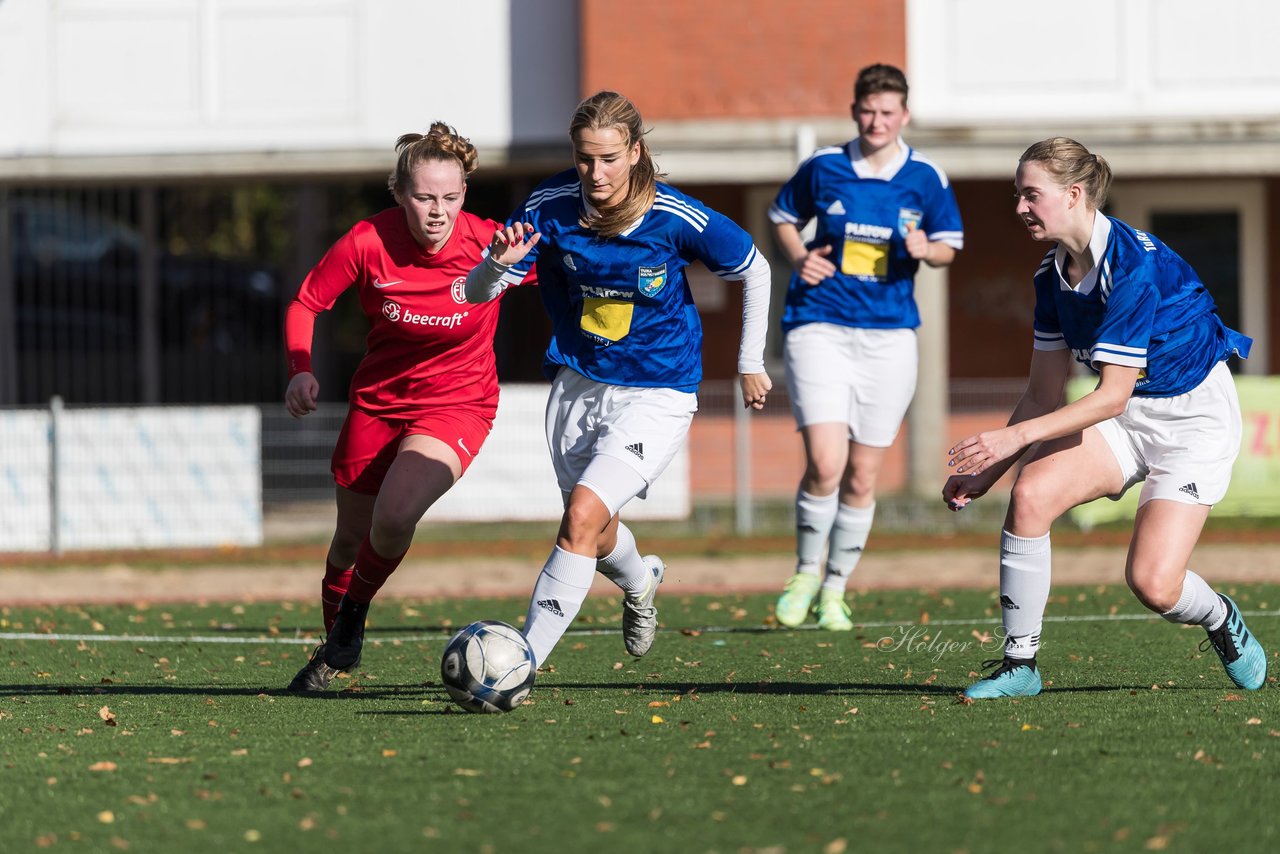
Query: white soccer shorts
(644, 428)
(861, 377)
(1182, 447)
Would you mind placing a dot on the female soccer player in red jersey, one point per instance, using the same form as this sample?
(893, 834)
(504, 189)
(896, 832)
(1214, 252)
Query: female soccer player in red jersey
(423, 398)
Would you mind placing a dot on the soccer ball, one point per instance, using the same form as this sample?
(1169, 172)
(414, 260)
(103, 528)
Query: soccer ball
(488, 667)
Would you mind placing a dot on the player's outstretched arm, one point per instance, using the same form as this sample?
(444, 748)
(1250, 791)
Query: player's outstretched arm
(510, 245)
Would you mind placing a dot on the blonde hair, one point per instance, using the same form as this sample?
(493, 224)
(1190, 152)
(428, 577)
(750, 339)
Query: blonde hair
(611, 110)
(1068, 162)
(441, 142)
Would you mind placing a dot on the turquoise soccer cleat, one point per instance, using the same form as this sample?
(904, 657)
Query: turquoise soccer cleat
(796, 600)
(1242, 656)
(1015, 677)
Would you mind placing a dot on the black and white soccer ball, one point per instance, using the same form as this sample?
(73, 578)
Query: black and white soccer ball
(488, 667)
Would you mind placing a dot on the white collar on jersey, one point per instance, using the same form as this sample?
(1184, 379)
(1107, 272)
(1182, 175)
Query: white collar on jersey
(1097, 249)
(863, 169)
(591, 211)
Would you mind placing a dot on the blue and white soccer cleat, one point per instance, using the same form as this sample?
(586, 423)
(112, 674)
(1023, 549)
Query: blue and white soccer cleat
(1241, 654)
(1015, 677)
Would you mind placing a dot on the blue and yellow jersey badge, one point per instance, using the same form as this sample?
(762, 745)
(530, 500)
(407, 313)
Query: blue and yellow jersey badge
(652, 279)
(908, 221)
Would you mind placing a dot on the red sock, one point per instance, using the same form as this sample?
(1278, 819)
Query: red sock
(335, 583)
(371, 572)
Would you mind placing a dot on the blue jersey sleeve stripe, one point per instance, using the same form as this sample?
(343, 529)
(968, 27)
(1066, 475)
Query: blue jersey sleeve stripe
(778, 215)
(1101, 354)
(684, 214)
(540, 198)
(678, 202)
(951, 238)
(1120, 349)
(739, 271)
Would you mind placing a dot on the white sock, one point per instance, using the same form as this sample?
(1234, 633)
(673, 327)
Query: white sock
(1024, 591)
(624, 566)
(557, 597)
(848, 538)
(815, 516)
(1198, 605)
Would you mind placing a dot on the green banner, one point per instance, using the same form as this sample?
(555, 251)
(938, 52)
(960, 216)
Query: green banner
(1255, 479)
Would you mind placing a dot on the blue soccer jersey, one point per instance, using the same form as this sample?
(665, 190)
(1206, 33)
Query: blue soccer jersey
(865, 217)
(1141, 306)
(621, 310)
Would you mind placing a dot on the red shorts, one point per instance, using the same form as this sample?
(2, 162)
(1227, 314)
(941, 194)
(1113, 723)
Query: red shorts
(368, 443)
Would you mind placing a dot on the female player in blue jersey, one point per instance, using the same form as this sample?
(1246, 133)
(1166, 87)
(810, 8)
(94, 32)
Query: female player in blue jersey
(611, 244)
(1164, 412)
(850, 320)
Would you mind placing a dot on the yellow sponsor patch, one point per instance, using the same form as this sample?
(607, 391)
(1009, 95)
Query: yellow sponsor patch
(865, 259)
(607, 318)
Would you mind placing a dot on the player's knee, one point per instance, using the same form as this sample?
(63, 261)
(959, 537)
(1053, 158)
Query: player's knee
(1156, 588)
(1033, 505)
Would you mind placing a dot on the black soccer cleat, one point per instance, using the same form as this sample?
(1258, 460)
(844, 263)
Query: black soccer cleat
(346, 638)
(315, 675)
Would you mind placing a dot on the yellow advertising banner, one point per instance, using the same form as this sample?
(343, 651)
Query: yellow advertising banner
(1255, 479)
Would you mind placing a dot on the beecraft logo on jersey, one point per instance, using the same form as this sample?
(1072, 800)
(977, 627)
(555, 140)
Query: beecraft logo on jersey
(459, 290)
(866, 231)
(392, 312)
(908, 220)
(652, 279)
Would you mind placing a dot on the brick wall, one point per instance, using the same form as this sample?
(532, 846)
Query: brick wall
(679, 59)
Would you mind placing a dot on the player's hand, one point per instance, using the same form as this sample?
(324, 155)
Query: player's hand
(816, 268)
(300, 396)
(917, 244)
(755, 388)
(976, 454)
(512, 243)
(960, 489)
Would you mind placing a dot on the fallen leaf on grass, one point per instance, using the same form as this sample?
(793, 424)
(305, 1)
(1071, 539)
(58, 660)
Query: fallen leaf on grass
(108, 716)
(103, 766)
(169, 760)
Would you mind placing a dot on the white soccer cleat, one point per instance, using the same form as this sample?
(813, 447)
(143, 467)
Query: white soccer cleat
(639, 616)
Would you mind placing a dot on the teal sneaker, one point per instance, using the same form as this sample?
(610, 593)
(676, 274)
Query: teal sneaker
(1015, 677)
(833, 612)
(1240, 652)
(797, 598)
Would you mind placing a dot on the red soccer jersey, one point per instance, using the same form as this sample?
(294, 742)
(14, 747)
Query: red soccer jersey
(427, 346)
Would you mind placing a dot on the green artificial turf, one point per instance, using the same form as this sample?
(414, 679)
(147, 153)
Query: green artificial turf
(731, 735)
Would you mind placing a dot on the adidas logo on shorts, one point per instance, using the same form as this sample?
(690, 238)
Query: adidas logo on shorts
(1190, 489)
(551, 605)
(637, 449)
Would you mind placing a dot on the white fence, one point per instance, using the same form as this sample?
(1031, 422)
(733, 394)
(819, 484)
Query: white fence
(167, 477)
(130, 478)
